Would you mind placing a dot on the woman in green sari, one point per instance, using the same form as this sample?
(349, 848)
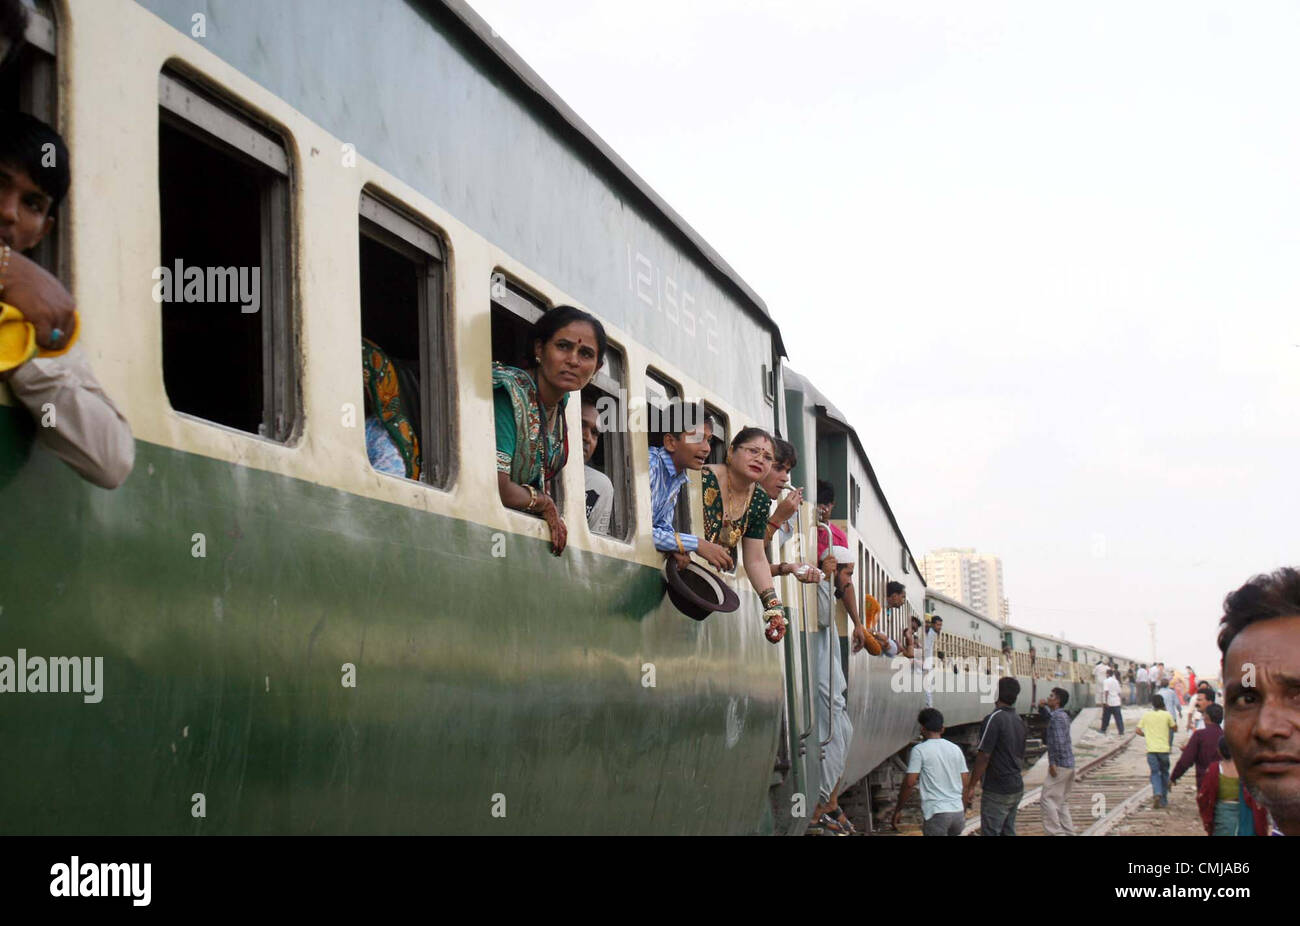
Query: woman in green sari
(568, 346)
(736, 511)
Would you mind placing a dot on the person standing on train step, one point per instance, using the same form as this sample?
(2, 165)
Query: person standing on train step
(939, 767)
(1060, 765)
(47, 372)
(1202, 748)
(833, 725)
(1114, 704)
(1001, 753)
(1259, 637)
(931, 667)
(1157, 727)
(600, 491)
(829, 535)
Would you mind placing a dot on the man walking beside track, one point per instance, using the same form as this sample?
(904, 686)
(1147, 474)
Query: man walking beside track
(1113, 703)
(1157, 726)
(1002, 753)
(1060, 765)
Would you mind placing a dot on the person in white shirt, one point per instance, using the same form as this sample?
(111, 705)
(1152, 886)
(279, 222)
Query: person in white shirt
(939, 767)
(1205, 696)
(931, 639)
(600, 491)
(1099, 675)
(1113, 705)
(1144, 685)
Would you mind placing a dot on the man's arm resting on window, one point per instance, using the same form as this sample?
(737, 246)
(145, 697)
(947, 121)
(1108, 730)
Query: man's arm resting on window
(75, 418)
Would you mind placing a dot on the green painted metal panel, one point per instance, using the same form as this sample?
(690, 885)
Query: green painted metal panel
(476, 675)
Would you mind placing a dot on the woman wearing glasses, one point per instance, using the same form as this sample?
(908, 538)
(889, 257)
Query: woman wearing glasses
(736, 511)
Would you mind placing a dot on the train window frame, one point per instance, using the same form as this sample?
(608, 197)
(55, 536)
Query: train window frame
(853, 500)
(384, 221)
(610, 382)
(670, 389)
(188, 104)
(721, 438)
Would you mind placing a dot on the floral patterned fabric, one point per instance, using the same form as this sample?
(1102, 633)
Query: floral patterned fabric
(379, 379)
(753, 523)
(528, 454)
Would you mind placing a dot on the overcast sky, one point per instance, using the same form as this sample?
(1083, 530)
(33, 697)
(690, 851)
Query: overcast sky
(1043, 255)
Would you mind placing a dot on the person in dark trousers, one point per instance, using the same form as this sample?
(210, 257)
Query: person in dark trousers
(1203, 747)
(1112, 703)
(1157, 727)
(940, 768)
(1001, 753)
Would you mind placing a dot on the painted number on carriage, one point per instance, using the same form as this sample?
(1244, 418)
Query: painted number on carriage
(661, 292)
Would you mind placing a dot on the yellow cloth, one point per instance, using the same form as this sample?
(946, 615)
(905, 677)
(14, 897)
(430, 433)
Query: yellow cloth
(18, 339)
(1156, 727)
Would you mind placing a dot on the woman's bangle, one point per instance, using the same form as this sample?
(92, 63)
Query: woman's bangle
(532, 498)
(769, 598)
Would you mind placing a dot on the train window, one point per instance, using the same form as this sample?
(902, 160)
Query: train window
(664, 413)
(721, 434)
(404, 324)
(515, 310)
(613, 453)
(224, 280)
(853, 501)
(29, 84)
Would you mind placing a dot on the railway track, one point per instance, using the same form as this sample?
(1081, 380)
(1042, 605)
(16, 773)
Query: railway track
(1104, 791)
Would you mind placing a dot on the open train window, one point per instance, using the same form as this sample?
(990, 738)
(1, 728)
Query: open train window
(721, 434)
(404, 330)
(664, 413)
(613, 454)
(224, 281)
(853, 501)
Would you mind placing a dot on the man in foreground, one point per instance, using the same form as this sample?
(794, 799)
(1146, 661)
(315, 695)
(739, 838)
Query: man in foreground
(940, 768)
(1259, 637)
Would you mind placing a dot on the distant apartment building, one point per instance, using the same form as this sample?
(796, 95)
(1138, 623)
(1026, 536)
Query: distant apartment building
(974, 579)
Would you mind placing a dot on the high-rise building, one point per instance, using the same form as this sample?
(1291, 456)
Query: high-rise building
(974, 579)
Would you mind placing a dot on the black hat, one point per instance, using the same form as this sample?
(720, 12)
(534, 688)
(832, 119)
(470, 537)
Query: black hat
(698, 592)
